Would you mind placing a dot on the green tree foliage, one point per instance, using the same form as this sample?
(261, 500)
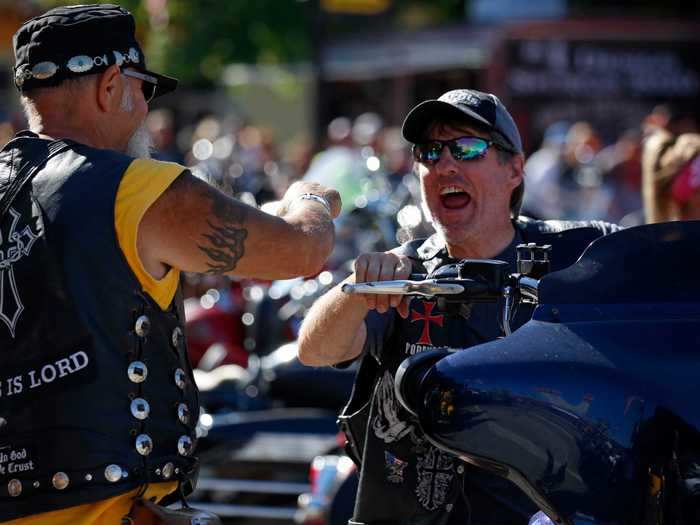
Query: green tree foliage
(201, 37)
(194, 39)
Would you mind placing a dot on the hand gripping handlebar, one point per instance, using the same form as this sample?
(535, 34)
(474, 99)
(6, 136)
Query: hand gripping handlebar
(469, 281)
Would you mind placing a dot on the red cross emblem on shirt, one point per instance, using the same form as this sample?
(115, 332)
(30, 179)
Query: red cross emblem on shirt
(427, 319)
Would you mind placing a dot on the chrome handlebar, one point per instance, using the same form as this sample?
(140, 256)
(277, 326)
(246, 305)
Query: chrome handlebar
(427, 288)
(518, 289)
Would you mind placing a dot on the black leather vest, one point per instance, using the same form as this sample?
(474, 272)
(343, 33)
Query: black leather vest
(403, 478)
(97, 395)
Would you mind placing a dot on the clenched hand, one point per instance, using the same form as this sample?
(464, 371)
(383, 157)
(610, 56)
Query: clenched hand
(386, 266)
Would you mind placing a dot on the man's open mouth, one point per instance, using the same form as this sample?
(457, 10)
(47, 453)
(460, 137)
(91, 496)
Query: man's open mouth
(454, 198)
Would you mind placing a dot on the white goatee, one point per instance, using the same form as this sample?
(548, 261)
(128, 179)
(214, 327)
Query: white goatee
(140, 144)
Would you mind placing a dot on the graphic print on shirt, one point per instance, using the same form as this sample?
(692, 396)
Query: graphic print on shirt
(386, 423)
(435, 470)
(14, 245)
(426, 318)
(394, 468)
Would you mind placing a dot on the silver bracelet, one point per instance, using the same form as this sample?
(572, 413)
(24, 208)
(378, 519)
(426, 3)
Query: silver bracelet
(312, 197)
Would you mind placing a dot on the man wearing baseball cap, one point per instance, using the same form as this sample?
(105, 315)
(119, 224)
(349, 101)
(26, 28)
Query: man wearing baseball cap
(469, 158)
(98, 406)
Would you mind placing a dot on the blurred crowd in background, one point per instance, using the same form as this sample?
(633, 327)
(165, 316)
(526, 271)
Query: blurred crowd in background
(573, 174)
(586, 83)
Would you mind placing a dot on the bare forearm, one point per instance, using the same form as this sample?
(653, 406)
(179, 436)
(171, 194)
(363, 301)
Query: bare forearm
(297, 242)
(334, 329)
(196, 228)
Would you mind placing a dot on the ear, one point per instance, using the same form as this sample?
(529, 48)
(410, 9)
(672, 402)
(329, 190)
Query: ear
(110, 87)
(517, 171)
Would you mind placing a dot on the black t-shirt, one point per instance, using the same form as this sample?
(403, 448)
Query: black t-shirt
(403, 478)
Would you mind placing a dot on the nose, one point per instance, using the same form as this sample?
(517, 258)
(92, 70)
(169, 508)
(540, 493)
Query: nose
(446, 164)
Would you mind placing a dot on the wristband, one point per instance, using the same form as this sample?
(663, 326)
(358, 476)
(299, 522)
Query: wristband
(312, 197)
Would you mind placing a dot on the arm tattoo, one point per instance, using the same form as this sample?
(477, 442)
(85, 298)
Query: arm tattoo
(226, 236)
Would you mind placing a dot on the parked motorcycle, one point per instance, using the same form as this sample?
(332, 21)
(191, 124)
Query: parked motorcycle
(590, 408)
(264, 423)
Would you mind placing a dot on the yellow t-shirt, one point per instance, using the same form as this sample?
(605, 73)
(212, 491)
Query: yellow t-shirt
(143, 182)
(105, 512)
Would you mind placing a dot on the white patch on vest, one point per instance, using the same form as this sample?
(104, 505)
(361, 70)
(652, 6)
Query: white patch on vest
(15, 460)
(435, 470)
(44, 374)
(386, 423)
(14, 245)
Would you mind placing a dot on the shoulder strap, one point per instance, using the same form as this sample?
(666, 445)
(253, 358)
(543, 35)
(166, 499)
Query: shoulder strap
(27, 173)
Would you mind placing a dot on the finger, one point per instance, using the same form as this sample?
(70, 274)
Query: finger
(373, 274)
(361, 269)
(403, 268)
(361, 264)
(386, 273)
(403, 307)
(333, 198)
(395, 300)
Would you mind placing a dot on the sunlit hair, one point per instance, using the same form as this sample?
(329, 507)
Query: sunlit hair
(127, 101)
(140, 144)
(663, 157)
(72, 87)
(32, 115)
(503, 156)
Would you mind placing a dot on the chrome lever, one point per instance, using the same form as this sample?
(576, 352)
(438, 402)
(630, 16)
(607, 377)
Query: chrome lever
(428, 288)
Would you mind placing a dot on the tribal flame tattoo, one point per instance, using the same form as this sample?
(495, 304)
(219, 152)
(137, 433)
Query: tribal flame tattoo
(226, 239)
(228, 247)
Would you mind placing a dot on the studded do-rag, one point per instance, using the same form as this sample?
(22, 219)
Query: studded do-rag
(71, 41)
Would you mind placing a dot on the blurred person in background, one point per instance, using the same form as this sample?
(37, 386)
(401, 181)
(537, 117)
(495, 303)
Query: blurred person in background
(583, 193)
(396, 157)
(161, 126)
(671, 177)
(352, 164)
(672, 117)
(469, 160)
(205, 161)
(256, 153)
(620, 166)
(366, 132)
(567, 183)
(544, 168)
(403, 186)
(100, 413)
(340, 162)
(299, 154)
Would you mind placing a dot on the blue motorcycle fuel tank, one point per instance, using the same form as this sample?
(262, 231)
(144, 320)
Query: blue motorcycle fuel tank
(591, 408)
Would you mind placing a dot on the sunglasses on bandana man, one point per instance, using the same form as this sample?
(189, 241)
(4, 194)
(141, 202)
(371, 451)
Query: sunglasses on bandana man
(148, 84)
(461, 148)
